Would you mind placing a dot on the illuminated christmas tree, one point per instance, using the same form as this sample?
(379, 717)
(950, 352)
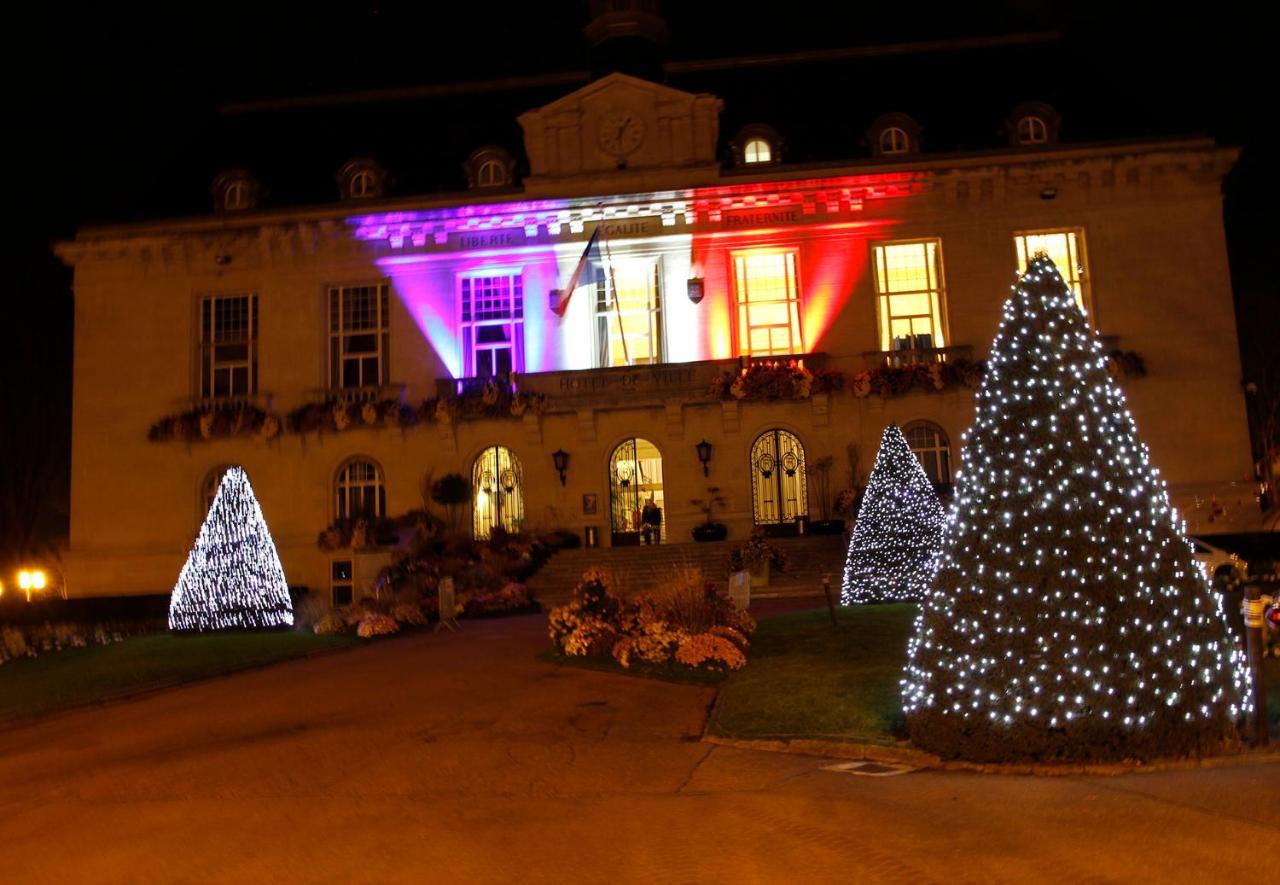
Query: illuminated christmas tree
(1067, 618)
(232, 577)
(898, 530)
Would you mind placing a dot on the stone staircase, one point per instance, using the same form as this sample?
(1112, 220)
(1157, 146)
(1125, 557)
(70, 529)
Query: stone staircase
(648, 568)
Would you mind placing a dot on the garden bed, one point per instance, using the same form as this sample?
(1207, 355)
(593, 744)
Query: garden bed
(665, 672)
(33, 686)
(806, 679)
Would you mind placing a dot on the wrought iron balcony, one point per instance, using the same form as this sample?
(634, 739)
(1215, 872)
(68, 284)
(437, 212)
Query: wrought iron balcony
(911, 356)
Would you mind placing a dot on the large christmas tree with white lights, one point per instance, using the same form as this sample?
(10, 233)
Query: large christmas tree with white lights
(232, 577)
(1067, 619)
(898, 531)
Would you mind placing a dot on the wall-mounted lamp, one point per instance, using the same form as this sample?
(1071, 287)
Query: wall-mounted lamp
(560, 458)
(704, 455)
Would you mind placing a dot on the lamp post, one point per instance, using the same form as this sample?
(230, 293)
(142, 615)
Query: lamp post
(560, 459)
(704, 455)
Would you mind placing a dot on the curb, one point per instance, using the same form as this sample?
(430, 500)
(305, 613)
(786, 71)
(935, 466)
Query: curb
(904, 755)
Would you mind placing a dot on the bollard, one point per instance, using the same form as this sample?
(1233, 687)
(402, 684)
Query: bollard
(826, 591)
(1254, 645)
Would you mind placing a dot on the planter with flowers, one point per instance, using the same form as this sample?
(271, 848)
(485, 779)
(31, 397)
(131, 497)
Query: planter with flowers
(709, 529)
(758, 556)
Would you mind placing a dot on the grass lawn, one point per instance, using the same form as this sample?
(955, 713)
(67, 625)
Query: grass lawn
(805, 678)
(85, 675)
(670, 672)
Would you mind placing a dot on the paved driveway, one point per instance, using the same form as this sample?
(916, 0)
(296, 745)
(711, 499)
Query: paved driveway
(461, 758)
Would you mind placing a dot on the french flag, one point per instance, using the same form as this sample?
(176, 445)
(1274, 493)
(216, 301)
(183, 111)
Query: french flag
(590, 258)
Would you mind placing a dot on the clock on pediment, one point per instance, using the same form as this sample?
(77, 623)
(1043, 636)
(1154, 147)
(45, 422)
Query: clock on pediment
(620, 132)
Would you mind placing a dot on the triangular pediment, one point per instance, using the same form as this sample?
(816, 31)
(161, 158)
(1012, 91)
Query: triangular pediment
(621, 125)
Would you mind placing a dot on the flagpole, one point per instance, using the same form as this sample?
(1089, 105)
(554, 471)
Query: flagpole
(613, 287)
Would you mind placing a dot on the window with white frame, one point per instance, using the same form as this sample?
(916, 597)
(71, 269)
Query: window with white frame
(893, 140)
(1066, 249)
(757, 150)
(363, 184)
(768, 298)
(492, 324)
(228, 345)
(209, 489)
(911, 298)
(236, 196)
(1032, 130)
(930, 445)
(629, 314)
(358, 336)
(360, 491)
(341, 581)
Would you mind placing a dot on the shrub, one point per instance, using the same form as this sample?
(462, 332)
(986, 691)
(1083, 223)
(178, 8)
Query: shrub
(330, 624)
(409, 613)
(376, 625)
(710, 651)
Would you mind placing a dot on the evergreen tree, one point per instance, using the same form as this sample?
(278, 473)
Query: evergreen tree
(898, 530)
(232, 577)
(1067, 618)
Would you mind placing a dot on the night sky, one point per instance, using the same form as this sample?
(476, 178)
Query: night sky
(115, 115)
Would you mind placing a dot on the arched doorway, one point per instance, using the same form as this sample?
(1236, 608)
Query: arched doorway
(497, 497)
(779, 493)
(635, 478)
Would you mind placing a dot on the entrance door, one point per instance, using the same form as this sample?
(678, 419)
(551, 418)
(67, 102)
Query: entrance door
(497, 498)
(779, 494)
(635, 481)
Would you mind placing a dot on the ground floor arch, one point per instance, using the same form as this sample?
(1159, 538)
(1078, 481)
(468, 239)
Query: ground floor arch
(497, 492)
(779, 490)
(637, 509)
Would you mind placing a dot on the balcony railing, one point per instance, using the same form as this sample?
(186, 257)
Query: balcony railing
(912, 356)
(370, 394)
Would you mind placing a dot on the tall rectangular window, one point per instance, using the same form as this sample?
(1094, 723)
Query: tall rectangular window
(492, 325)
(358, 336)
(629, 314)
(228, 345)
(768, 295)
(1066, 249)
(910, 295)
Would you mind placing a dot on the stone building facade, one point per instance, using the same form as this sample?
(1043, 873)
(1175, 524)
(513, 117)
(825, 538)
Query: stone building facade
(343, 353)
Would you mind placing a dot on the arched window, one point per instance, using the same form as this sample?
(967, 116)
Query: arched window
(209, 488)
(930, 444)
(757, 150)
(1032, 130)
(635, 482)
(497, 496)
(894, 140)
(492, 173)
(779, 494)
(360, 491)
(236, 196)
(363, 184)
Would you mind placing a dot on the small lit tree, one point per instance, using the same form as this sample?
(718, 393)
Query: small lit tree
(898, 530)
(1067, 618)
(232, 577)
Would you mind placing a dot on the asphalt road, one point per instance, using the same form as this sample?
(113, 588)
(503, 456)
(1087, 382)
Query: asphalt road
(461, 758)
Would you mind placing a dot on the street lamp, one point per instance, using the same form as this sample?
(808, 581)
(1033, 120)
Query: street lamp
(704, 455)
(560, 458)
(29, 580)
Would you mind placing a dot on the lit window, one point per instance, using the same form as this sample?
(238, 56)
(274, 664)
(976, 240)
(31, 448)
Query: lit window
(929, 443)
(492, 173)
(228, 346)
(492, 325)
(1032, 130)
(363, 184)
(236, 195)
(911, 297)
(757, 150)
(768, 304)
(629, 318)
(893, 141)
(1066, 249)
(498, 500)
(359, 491)
(358, 336)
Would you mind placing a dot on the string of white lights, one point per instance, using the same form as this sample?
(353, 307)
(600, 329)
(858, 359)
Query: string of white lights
(1067, 617)
(898, 531)
(232, 577)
